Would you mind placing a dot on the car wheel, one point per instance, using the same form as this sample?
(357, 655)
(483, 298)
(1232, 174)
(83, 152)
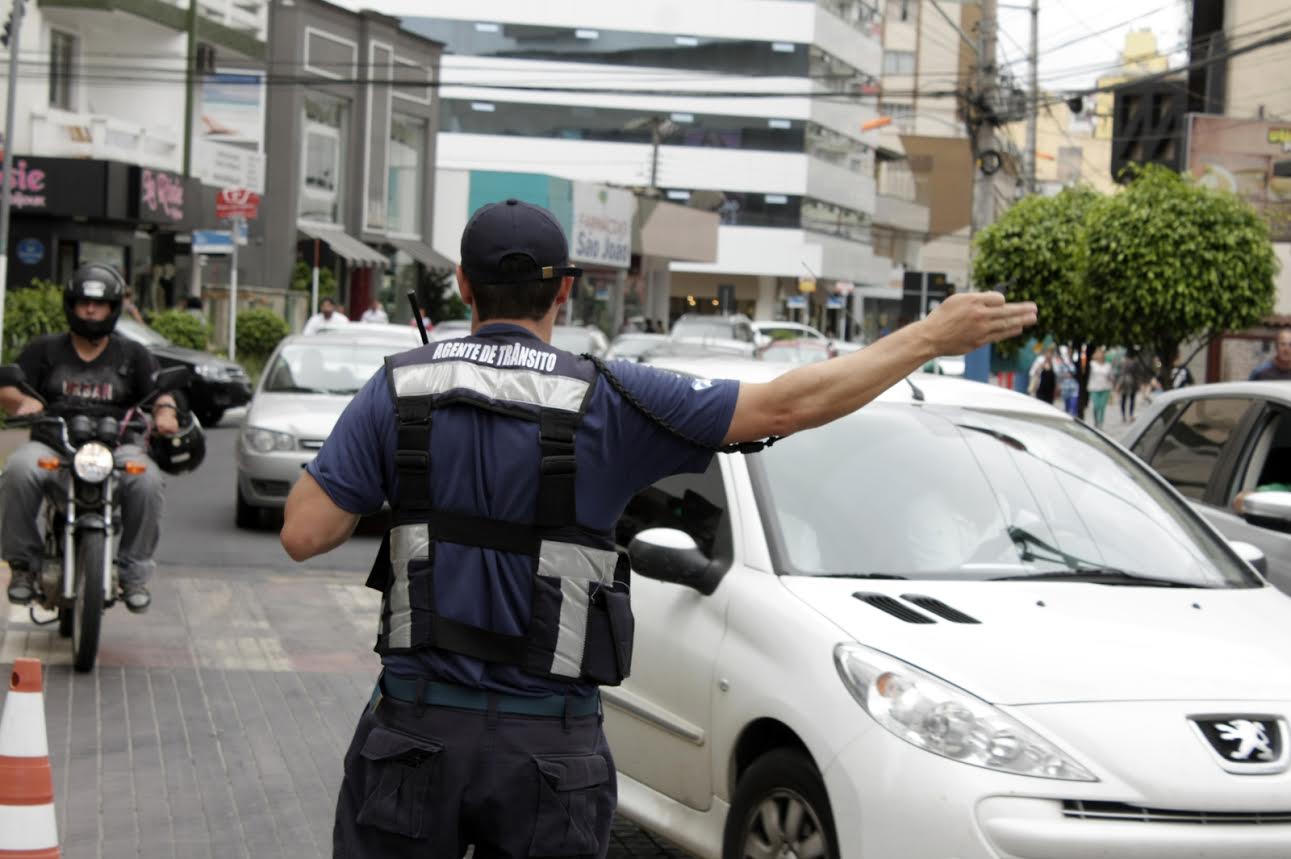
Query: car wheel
(780, 809)
(210, 417)
(248, 515)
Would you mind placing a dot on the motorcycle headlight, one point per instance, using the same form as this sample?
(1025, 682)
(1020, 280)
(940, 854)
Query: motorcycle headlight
(943, 719)
(93, 462)
(266, 441)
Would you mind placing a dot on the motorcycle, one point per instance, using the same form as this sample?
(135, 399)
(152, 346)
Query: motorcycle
(82, 514)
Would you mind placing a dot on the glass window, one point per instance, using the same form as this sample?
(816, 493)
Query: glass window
(326, 368)
(951, 493)
(898, 62)
(62, 50)
(1188, 452)
(322, 161)
(830, 146)
(902, 115)
(694, 503)
(1147, 443)
(404, 195)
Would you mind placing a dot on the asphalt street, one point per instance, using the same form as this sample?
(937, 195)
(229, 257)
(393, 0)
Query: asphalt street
(215, 724)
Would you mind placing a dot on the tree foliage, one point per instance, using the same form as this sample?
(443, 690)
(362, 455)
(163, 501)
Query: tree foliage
(31, 312)
(1171, 262)
(302, 278)
(181, 328)
(259, 331)
(1162, 262)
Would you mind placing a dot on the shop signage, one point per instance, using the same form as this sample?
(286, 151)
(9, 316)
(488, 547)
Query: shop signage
(602, 233)
(30, 251)
(161, 196)
(236, 203)
(27, 187)
(65, 186)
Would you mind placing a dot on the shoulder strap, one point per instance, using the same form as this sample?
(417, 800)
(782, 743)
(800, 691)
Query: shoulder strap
(616, 384)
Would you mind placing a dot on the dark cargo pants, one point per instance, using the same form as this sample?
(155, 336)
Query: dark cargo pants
(429, 781)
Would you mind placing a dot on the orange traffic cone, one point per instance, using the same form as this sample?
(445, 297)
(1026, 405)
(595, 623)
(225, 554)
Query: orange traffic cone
(28, 829)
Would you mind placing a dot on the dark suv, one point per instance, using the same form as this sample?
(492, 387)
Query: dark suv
(217, 383)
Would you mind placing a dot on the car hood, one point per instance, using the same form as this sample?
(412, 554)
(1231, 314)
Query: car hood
(306, 416)
(191, 356)
(1049, 642)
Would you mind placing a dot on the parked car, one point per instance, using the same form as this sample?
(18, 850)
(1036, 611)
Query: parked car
(731, 334)
(1215, 442)
(801, 351)
(308, 381)
(579, 339)
(946, 365)
(449, 329)
(217, 384)
(634, 345)
(780, 329)
(962, 624)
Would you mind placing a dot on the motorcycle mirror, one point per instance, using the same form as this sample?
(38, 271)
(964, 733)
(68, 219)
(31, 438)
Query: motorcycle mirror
(12, 376)
(171, 379)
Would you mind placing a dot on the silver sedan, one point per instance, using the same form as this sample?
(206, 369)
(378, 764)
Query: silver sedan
(307, 383)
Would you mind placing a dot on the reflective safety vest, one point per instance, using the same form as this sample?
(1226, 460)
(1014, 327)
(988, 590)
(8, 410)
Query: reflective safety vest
(580, 623)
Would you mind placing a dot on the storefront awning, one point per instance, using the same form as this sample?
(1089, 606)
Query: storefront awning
(345, 245)
(423, 253)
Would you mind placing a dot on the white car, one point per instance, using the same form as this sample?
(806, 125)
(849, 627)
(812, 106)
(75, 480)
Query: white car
(956, 623)
(307, 382)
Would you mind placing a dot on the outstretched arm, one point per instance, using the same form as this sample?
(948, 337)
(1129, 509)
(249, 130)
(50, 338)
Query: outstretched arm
(819, 393)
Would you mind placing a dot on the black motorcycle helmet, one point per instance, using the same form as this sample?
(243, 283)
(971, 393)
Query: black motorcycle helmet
(95, 282)
(181, 452)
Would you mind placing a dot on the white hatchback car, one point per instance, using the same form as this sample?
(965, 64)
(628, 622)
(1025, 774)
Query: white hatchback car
(956, 623)
(307, 382)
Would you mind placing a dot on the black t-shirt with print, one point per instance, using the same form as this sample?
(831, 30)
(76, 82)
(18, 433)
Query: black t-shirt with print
(118, 378)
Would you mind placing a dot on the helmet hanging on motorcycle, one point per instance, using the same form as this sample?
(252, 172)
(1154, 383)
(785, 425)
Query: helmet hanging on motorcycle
(181, 452)
(93, 282)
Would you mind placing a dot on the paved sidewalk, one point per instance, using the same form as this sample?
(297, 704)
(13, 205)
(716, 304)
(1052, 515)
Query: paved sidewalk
(215, 724)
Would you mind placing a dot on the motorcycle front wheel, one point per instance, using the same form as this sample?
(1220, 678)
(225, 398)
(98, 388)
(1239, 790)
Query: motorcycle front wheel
(90, 549)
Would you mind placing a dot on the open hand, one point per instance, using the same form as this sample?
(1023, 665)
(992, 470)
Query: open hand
(968, 320)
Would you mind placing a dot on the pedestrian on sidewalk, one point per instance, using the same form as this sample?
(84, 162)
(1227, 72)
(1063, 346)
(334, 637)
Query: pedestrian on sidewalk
(1100, 385)
(1278, 369)
(1068, 383)
(1044, 377)
(506, 463)
(1128, 379)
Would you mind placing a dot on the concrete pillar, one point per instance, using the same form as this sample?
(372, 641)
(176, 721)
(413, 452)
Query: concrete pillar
(768, 301)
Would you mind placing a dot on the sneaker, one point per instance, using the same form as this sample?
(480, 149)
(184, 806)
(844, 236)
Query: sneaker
(136, 597)
(22, 586)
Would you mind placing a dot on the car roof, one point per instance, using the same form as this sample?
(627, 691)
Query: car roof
(937, 390)
(1268, 390)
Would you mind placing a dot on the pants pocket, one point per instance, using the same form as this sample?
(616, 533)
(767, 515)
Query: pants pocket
(567, 822)
(399, 772)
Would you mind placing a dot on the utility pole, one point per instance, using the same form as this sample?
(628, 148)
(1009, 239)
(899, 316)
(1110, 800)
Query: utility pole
(1033, 100)
(190, 75)
(12, 29)
(980, 111)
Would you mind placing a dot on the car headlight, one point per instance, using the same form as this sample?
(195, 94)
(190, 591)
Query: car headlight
(266, 441)
(212, 372)
(93, 462)
(943, 719)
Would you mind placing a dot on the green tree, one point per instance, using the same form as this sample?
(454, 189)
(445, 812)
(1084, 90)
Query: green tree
(30, 313)
(181, 328)
(302, 278)
(259, 331)
(438, 296)
(1172, 262)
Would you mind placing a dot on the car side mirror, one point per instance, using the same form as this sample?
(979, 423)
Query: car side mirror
(1251, 554)
(171, 379)
(761, 341)
(672, 555)
(1268, 510)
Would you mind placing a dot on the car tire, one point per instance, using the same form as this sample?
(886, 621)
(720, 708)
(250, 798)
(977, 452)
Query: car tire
(781, 787)
(210, 417)
(248, 515)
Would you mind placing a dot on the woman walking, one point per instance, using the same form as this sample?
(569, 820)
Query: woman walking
(1100, 385)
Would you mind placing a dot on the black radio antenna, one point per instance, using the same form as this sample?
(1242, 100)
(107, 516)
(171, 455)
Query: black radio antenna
(416, 314)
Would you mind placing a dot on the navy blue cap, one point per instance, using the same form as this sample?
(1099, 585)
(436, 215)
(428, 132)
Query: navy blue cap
(500, 230)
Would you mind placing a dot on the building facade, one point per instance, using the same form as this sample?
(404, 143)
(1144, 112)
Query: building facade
(749, 108)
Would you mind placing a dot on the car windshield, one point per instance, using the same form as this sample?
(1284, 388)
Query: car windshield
(132, 330)
(947, 493)
(714, 329)
(325, 368)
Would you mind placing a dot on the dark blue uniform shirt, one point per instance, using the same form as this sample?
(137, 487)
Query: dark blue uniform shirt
(475, 456)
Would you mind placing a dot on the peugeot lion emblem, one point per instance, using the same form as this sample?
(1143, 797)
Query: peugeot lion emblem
(1248, 744)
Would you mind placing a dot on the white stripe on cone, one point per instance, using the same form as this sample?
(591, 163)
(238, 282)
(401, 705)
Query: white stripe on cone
(22, 727)
(27, 827)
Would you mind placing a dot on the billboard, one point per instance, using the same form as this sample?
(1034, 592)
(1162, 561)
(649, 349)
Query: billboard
(1250, 157)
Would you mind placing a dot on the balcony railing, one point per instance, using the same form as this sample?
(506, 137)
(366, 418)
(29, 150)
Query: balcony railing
(248, 16)
(63, 134)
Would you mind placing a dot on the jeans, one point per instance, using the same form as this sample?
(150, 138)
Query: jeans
(22, 490)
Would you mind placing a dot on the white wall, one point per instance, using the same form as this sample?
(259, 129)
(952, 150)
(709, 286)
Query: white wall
(790, 253)
(452, 199)
(848, 44)
(31, 89)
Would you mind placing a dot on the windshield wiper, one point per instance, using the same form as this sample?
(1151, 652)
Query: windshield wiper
(294, 389)
(857, 576)
(1100, 576)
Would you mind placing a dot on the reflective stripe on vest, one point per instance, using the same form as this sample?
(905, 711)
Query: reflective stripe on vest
(513, 385)
(407, 543)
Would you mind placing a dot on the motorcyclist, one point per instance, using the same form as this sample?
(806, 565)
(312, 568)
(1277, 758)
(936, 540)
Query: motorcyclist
(89, 369)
